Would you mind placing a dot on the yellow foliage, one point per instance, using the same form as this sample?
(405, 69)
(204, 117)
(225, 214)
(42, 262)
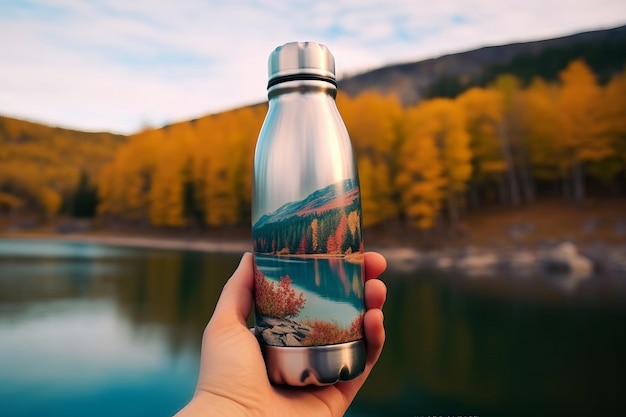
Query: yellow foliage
(417, 160)
(8, 201)
(50, 201)
(376, 191)
(372, 121)
(614, 114)
(540, 118)
(200, 168)
(41, 165)
(484, 112)
(421, 180)
(578, 102)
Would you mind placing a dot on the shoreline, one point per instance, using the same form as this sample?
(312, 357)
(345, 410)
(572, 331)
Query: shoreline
(560, 258)
(148, 242)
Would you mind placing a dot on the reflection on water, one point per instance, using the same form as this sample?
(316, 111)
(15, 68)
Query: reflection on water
(499, 346)
(100, 331)
(117, 333)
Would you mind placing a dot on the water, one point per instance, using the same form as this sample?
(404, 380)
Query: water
(102, 331)
(89, 330)
(330, 285)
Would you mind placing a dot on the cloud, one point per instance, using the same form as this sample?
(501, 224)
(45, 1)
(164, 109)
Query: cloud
(116, 65)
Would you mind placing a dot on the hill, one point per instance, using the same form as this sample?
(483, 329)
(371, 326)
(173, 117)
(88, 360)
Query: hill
(197, 173)
(449, 75)
(46, 169)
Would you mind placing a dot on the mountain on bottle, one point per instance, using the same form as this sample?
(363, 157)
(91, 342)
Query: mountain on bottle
(327, 221)
(341, 194)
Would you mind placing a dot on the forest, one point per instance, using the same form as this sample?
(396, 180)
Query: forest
(51, 171)
(509, 143)
(337, 231)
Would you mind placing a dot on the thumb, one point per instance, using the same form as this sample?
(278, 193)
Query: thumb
(235, 301)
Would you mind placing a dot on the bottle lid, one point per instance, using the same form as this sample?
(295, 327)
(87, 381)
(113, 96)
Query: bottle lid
(301, 61)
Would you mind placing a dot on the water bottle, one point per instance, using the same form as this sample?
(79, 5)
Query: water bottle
(306, 226)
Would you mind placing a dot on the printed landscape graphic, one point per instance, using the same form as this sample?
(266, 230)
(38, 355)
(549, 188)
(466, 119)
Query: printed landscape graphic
(308, 269)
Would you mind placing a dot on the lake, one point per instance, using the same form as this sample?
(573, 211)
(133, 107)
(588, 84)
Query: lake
(109, 331)
(331, 286)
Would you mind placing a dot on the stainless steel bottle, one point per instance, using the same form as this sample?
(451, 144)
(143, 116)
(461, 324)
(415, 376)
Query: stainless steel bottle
(306, 226)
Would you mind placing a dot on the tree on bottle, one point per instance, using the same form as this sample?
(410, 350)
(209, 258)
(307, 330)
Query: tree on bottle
(276, 299)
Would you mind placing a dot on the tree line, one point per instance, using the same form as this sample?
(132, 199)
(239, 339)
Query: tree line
(336, 231)
(49, 170)
(508, 143)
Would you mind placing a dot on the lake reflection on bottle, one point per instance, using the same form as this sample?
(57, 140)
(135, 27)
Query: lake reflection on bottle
(305, 284)
(316, 279)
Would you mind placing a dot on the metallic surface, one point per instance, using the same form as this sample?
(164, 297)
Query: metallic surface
(318, 365)
(303, 143)
(301, 57)
(302, 147)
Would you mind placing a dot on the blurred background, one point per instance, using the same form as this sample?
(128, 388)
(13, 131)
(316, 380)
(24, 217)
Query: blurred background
(491, 146)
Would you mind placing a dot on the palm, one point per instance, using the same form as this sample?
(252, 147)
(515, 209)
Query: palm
(232, 370)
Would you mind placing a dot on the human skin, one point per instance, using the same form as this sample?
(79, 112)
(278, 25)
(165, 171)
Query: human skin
(233, 380)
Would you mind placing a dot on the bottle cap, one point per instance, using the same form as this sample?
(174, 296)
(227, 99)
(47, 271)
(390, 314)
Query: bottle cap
(301, 61)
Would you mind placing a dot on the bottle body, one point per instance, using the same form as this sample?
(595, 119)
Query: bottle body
(307, 240)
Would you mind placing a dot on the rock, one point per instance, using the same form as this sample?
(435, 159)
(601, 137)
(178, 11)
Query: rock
(477, 262)
(522, 259)
(276, 331)
(283, 329)
(292, 340)
(270, 338)
(403, 259)
(444, 262)
(521, 263)
(566, 259)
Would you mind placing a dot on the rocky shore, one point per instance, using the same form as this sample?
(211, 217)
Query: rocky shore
(281, 331)
(559, 258)
(563, 258)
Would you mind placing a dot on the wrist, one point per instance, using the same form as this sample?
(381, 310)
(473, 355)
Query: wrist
(205, 404)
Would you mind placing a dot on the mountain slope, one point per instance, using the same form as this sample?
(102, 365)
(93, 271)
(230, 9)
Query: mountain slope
(43, 167)
(451, 74)
(333, 196)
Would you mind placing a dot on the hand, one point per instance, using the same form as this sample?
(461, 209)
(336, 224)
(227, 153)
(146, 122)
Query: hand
(233, 380)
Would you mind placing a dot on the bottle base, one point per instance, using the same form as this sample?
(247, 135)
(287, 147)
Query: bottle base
(314, 365)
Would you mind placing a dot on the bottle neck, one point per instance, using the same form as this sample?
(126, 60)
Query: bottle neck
(302, 87)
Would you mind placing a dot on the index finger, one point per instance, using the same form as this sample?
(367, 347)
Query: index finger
(375, 264)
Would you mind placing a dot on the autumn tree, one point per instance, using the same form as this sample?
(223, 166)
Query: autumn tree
(124, 184)
(580, 134)
(484, 116)
(224, 163)
(186, 173)
(373, 123)
(276, 299)
(41, 167)
(421, 178)
(171, 173)
(540, 121)
(518, 183)
(612, 114)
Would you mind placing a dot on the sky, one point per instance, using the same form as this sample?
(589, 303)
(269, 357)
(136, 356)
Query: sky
(124, 65)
